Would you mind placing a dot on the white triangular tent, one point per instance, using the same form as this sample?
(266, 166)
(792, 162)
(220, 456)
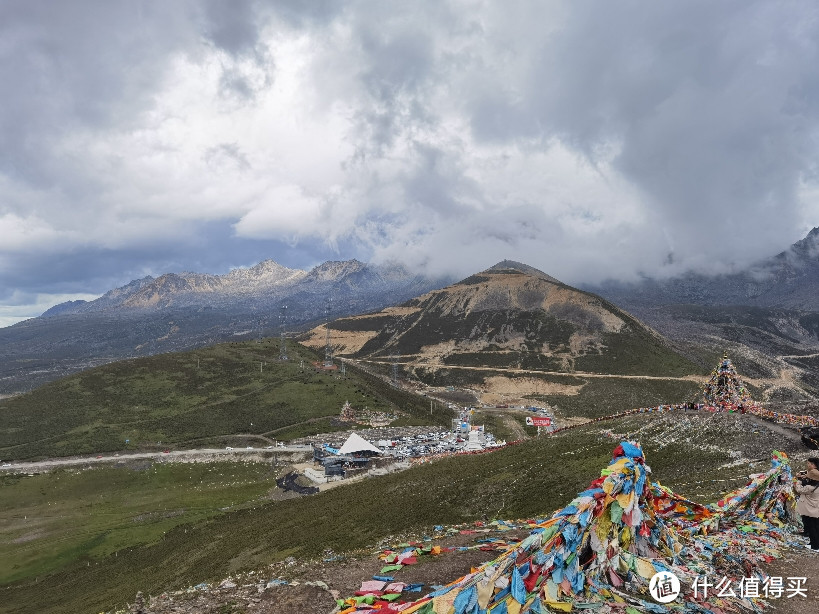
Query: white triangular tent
(356, 443)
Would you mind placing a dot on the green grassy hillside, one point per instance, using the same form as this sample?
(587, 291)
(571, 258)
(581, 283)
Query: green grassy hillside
(187, 398)
(54, 519)
(534, 478)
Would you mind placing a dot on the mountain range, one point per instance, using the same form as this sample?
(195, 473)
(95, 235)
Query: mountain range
(264, 286)
(771, 308)
(179, 311)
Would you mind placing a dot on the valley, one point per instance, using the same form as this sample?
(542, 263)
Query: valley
(698, 455)
(164, 472)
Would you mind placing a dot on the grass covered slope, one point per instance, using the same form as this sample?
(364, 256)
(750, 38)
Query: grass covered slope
(51, 520)
(183, 398)
(605, 396)
(690, 453)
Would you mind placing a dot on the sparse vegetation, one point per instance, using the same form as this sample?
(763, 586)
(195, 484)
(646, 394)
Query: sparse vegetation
(102, 535)
(638, 353)
(604, 396)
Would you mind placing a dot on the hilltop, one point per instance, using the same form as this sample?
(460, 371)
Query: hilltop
(508, 316)
(512, 333)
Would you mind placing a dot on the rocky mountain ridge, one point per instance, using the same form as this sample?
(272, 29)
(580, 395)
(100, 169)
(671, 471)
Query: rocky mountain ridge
(789, 280)
(242, 284)
(179, 311)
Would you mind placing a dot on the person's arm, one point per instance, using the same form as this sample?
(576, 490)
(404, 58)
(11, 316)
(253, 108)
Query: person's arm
(813, 474)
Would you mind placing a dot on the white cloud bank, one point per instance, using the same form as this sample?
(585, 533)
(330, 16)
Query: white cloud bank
(589, 140)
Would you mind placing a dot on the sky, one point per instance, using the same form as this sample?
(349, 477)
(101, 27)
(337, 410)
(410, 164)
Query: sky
(592, 140)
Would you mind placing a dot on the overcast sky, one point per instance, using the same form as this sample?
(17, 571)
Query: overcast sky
(591, 140)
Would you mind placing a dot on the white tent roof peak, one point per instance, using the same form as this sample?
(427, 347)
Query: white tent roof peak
(356, 443)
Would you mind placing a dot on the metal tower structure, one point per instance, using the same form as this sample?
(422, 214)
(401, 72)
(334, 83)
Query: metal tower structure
(283, 332)
(328, 350)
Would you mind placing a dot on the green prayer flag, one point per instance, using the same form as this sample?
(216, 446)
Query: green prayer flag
(390, 568)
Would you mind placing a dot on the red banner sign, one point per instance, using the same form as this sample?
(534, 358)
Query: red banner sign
(538, 421)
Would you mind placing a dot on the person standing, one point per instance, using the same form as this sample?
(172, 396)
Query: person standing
(807, 486)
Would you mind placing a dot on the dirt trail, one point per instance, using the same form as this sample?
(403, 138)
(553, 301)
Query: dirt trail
(788, 376)
(797, 564)
(497, 370)
(290, 426)
(204, 455)
(790, 433)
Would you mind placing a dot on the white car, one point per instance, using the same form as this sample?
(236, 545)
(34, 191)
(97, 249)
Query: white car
(228, 448)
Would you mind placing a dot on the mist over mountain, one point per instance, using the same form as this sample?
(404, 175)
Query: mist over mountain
(789, 280)
(768, 313)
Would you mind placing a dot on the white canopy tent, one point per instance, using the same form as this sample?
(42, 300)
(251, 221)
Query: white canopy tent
(356, 443)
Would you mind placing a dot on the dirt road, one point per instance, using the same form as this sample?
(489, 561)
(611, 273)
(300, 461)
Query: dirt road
(496, 370)
(201, 455)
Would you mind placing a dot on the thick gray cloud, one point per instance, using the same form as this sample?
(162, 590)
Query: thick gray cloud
(588, 139)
